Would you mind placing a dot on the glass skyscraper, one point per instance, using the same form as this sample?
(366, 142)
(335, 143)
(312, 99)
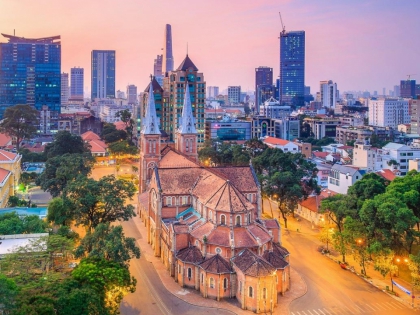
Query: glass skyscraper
(103, 74)
(30, 73)
(292, 68)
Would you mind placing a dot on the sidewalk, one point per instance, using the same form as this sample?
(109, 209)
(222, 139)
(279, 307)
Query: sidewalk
(191, 296)
(374, 277)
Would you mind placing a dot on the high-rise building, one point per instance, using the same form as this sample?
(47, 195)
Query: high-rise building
(263, 93)
(77, 83)
(292, 67)
(414, 112)
(132, 94)
(388, 112)
(157, 69)
(329, 93)
(396, 90)
(64, 89)
(408, 88)
(30, 73)
(212, 92)
(174, 85)
(234, 94)
(168, 59)
(263, 76)
(103, 74)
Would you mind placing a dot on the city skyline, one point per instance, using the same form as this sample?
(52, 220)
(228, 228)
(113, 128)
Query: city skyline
(353, 43)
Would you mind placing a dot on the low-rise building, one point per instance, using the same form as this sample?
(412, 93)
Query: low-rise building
(395, 156)
(351, 133)
(342, 177)
(305, 148)
(367, 157)
(228, 130)
(309, 209)
(324, 126)
(262, 127)
(284, 145)
(414, 165)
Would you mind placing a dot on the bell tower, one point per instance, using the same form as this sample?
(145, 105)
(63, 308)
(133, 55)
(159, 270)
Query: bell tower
(149, 142)
(186, 134)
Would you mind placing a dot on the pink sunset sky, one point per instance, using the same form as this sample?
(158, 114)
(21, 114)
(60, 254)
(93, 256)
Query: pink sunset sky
(362, 45)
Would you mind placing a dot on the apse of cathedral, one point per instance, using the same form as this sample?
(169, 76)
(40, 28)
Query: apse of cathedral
(205, 222)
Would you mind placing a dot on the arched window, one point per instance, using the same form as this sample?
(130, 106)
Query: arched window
(202, 278)
(222, 219)
(210, 215)
(225, 283)
(187, 141)
(211, 283)
(264, 293)
(189, 273)
(169, 201)
(249, 218)
(196, 243)
(179, 268)
(250, 292)
(238, 220)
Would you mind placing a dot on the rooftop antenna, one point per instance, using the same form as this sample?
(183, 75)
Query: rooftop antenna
(187, 48)
(409, 76)
(282, 25)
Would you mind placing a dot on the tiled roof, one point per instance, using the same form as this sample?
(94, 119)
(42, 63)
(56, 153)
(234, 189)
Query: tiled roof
(190, 255)
(240, 176)
(119, 125)
(6, 156)
(220, 236)
(97, 146)
(275, 141)
(181, 228)
(271, 224)
(186, 64)
(252, 265)
(90, 135)
(178, 180)
(228, 199)
(280, 250)
(3, 175)
(311, 203)
(173, 159)
(202, 230)
(216, 264)
(345, 147)
(5, 140)
(387, 174)
(321, 155)
(259, 233)
(243, 238)
(275, 260)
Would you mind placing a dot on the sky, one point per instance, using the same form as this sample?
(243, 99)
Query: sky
(360, 44)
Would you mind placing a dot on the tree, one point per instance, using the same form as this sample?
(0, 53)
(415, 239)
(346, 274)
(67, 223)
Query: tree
(109, 279)
(8, 293)
(384, 263)
(110, 133)
(286, 177)
(28, 156)
(255, 147)
(103, 201)
(58, 212)
(122, 147)
(19, 122)
(109, 243)
(125, 117)
(11, 223)
(66, 142)
(61, 170)
(368, 187)
(15, 201)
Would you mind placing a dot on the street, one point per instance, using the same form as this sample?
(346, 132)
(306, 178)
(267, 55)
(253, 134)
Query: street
(331, 290)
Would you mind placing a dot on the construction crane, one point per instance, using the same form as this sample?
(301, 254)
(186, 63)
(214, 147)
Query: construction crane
(409, 76)
(282, 25)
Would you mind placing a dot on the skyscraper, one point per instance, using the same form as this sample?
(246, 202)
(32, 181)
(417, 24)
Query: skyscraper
(157, 69)
(212, 92)
(292, 67)
(132, 94)
(30, 73)
(408, 88)
(234, 94)
(329, 95)
(64, 89)
(168, 59)
(103, 74)
(263, 76)
(77, 83)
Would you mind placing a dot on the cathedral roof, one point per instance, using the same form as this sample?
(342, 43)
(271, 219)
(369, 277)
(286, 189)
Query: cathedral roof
(178, 180)
(252, 265)
(216, 264)
(187, 120)
(172, 159)
(275, 260)
(190, 255)
(240, 176)
(280, 250)
(186, 64)
(150, 125)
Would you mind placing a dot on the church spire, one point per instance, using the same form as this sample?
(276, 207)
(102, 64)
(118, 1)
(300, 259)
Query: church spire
(150, 125)
(187, 123)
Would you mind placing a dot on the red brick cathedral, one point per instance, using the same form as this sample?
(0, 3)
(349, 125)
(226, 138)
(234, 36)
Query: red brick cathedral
(205, 223)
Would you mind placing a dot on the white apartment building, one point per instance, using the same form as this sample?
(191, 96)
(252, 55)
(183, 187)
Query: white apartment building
(284, 145)
(64, 89)
(367, 157)
(342, 177)
(328, 93)
(108, 112)
(388, 112)
(396, 156)
(212, 92)
(272, 108)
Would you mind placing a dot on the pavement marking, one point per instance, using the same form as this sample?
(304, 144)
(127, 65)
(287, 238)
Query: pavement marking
(397, 305)
(321, 311)
(315, 312)
(380, 305)
(326, 310)
(358, 308)
(372, 306)
(351, 311)
(309, 312)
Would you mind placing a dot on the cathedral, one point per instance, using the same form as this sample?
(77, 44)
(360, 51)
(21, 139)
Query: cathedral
(205, 222)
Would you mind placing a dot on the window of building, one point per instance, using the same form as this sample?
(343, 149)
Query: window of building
(225, 283)
(222, 219)
(210, 215)
(238, 220)
(179, 268)
(169, 201)
(249, 218)
(410, 154)
(240, 287)
(211, 283)
(218, 250)
(250, 292)
(264, 293)
(189, 273)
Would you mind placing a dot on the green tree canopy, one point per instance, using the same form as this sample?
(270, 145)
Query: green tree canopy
(103, 201)
(11, 223)
(367, 188)
(61, 170)
(66, 142)
(122, 147)
(125, 117)
(110, 133)
(19, 122)
(109, 243)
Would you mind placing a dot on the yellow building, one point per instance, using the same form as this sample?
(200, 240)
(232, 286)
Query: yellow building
(10, 171)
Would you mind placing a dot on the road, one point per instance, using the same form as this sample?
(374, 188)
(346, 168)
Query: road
(332, 290)
(151, 297)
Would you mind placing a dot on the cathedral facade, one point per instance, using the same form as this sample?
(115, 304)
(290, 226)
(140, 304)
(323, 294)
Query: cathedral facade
(205, 223)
